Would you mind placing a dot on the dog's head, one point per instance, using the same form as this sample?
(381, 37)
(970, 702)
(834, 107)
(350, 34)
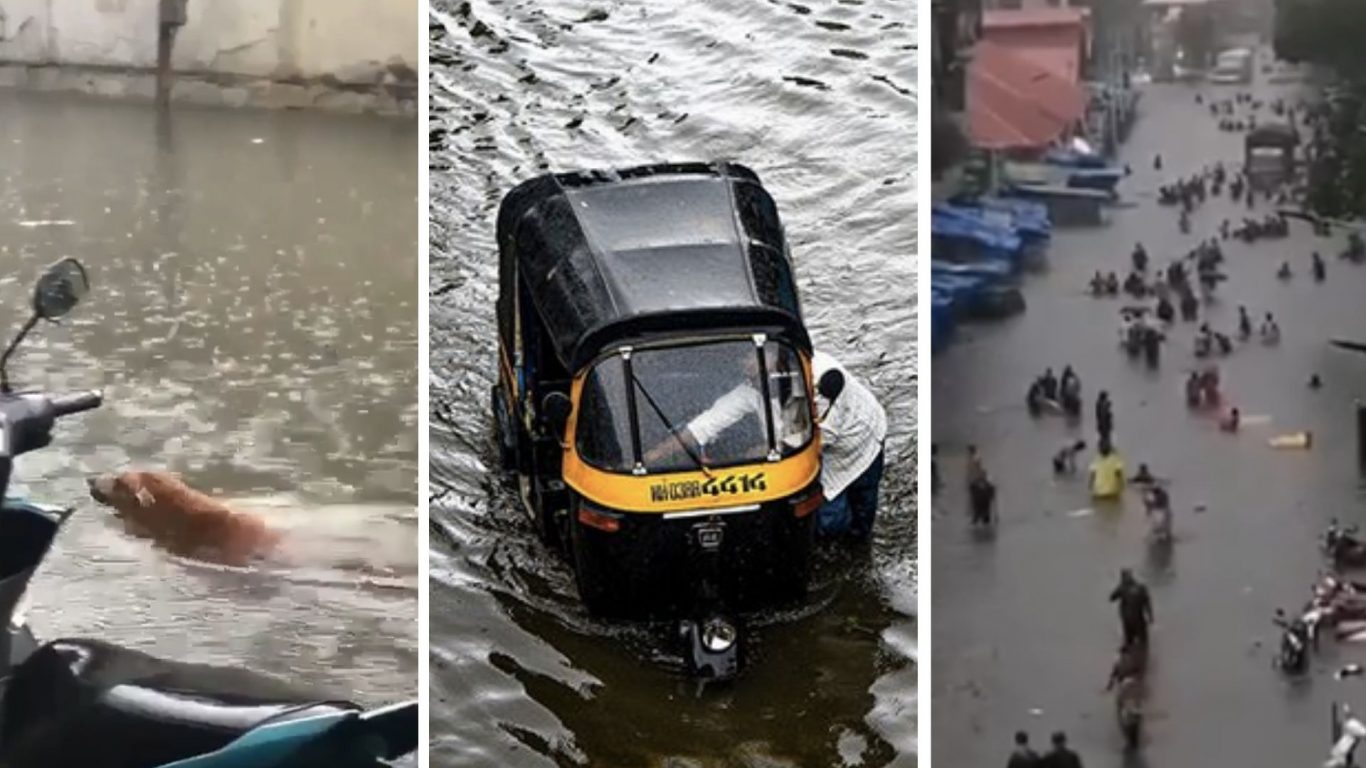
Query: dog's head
(124, 491)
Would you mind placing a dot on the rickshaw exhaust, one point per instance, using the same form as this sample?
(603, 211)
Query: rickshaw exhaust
(712, 647)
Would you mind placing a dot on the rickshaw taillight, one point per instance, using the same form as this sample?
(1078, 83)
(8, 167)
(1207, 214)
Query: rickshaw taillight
(603, 521)
(807, 504)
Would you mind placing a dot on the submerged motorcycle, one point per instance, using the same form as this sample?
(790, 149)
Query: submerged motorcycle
(1126, 680)
(74, 702)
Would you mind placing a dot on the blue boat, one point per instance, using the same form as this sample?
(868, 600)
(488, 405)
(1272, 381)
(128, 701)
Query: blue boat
(1030, 221)
(941, 321)
(1067, 206)
(996, 272)
(1034, 230)
(966, 292)
(962, 239)
(1103, 179)
(1033, 214)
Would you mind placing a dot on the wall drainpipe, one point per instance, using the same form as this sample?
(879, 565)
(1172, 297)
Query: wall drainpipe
(170, 18)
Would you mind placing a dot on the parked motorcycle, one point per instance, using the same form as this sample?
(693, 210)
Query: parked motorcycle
(1297, 635)
(1343, 547)
(75, 703)
(1347, 733)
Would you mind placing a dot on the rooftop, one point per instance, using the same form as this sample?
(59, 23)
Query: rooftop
(1034, 17)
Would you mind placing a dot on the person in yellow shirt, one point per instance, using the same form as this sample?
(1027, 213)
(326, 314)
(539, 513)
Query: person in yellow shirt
(1107, 473)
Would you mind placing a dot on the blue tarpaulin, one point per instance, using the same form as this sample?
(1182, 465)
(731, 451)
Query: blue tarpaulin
(963, 239)
(1026, 224)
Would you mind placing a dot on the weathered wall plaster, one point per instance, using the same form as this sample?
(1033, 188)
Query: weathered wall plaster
(349, 54)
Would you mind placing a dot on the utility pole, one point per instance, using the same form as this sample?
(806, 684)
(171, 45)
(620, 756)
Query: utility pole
(171, 16)
(1112, 86)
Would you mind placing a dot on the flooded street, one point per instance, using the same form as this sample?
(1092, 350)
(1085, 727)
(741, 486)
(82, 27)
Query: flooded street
(252, 321)
(819, 100)
(1024, 636)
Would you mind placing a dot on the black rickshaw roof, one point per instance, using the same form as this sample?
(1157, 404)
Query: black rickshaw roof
(612, 255)
(1272, 135)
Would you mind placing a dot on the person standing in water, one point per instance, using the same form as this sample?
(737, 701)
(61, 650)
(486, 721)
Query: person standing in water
(1049, 383)
(1071, 392)
(1135, 608)
(1022, 756)
(853, 433)
(1230, 421)
(1271, 332)
(976, 469)
(1060, 756)
(1107, 472)
(1105, 416)
(982, 498)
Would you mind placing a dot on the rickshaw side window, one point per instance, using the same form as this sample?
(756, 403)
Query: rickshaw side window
(603, 431)
(791, 402)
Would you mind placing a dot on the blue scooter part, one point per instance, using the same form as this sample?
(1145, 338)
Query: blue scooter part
(393, 730)
(396, 725)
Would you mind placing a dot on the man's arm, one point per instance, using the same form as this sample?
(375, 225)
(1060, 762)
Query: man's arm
(728, 410)
(672, 446)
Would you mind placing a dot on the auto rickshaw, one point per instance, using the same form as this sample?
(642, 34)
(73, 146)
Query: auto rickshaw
(655, 399)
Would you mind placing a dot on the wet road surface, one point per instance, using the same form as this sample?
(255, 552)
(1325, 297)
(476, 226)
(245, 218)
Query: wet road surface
(252, 321)
(1023, 635)
(520, 674)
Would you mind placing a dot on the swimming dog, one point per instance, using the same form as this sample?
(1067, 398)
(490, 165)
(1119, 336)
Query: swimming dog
(161, 507)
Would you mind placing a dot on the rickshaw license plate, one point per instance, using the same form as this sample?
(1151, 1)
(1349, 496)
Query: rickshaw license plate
(709, 535)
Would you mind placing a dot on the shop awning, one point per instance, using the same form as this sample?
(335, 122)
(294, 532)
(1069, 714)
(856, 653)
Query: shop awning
(1015, 103)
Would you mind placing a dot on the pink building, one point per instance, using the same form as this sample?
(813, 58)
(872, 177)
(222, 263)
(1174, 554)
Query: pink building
(1057, 39)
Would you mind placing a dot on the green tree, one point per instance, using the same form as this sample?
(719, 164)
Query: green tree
(1195, 35)
(1327, 33)
(1330, 34)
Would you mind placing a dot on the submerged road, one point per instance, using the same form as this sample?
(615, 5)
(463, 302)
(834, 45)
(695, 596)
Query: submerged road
(1023, 634)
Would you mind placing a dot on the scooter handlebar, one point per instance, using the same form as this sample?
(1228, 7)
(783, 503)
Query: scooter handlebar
(65, 405)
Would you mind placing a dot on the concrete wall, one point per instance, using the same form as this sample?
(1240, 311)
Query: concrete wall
(354, 46)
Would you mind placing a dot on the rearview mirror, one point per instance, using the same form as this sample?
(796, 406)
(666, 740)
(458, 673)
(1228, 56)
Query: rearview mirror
(59, 289)
(555, 409)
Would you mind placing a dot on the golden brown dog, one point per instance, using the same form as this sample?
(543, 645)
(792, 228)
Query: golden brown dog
(160, 506)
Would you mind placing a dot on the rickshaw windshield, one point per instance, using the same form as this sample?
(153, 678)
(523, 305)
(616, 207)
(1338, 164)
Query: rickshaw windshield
(673, 407)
